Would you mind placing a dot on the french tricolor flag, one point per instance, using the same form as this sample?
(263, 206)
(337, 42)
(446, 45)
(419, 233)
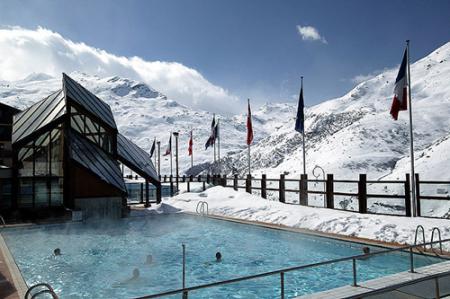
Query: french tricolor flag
(400, 101)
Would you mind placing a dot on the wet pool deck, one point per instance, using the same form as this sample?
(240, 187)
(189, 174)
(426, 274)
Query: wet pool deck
(12, 284)
(418, 286)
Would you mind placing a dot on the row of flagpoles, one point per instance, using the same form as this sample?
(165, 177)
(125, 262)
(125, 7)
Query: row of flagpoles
(401, 100)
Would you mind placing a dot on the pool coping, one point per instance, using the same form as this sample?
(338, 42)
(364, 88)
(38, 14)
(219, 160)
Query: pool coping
(16, 276)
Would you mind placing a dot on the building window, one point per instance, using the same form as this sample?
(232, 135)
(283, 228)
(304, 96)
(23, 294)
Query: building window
(40, 171)
(91, 130)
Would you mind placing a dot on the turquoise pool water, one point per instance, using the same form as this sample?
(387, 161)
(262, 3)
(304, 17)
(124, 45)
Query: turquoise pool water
(98, 258)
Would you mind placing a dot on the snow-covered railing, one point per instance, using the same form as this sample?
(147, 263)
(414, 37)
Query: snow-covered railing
(340, 194)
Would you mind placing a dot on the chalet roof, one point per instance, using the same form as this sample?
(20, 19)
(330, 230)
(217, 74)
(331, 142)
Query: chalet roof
(39, 115)
(96, 160)
(77, 93)
(135, 158)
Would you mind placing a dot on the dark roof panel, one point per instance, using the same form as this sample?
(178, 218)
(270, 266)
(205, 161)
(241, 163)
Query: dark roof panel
(39, 115)
(135, 158)
(88, 100)
(96, 160)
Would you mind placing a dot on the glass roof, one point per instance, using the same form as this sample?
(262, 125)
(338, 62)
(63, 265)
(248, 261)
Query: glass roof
(96, 160)
(39, 115)
(135, 158)
(88, 101)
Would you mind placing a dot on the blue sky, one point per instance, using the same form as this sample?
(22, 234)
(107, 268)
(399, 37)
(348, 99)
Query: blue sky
(252, 48)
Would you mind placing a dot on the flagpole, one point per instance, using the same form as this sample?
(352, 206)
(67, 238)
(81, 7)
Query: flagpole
(159, 157)
(171, 172)
(303, 135)
(249, 166)
(411, 138)
(192, 152)
(218, 142)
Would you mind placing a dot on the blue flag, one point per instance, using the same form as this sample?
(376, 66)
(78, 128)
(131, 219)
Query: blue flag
(300, 121)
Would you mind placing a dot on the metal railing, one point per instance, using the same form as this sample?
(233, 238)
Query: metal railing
(45, 289)
(202, 208)
(185, 290)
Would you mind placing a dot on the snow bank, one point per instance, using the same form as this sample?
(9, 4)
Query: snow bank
(238, 204)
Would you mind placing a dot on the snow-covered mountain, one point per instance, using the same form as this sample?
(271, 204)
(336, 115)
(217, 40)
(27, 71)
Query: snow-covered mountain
(346, 136)
(355, 133)
(143, 114)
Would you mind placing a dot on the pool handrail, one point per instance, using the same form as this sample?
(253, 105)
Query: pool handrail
(48, 290)
(296, 268)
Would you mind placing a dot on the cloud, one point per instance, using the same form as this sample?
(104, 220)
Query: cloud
(310, 33)
(24, 51)
(364, 77)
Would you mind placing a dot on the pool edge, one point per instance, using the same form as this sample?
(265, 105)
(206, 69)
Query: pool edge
(16, 276)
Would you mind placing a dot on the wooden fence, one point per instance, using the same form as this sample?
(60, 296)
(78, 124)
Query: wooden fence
(277, 186)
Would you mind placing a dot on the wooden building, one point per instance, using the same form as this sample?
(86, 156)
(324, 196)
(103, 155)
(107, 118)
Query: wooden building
(66, 152)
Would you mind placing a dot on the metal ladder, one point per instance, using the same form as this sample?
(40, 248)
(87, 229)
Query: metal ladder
(436, 229)
(47, 289)
(202, 208)
(423, 236)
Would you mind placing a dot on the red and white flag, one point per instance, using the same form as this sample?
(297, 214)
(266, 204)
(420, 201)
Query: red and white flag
(249, 125)
(191, 143)
(400, 101)
(169, 147)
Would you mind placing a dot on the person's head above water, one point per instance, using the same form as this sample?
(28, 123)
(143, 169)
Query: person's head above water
(366, 250)
(218, 256)
(57, 251)
(136, 273)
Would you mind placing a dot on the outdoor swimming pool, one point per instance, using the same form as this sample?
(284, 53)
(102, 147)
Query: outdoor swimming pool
(98, 258)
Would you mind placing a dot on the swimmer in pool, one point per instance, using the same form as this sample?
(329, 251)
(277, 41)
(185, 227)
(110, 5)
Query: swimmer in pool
(218, 256)
(134, 278)
(366, 250)
(149, 259)
(57, 252)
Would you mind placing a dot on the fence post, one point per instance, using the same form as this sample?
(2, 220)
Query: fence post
(224, 181)
(208, 178)
(165, 178)
(199, 178)
(188, 184)
(418, 195)
(147, 194)
(304, 189)
(282, 192)
(235, 182)
(330, 191)
(248, 184)
(362, 193)
(142, 193)
(408, 195)
(171, 185)
(184, 178)
(264, 186)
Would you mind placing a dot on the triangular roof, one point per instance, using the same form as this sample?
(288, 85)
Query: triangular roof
(88, 101)
(38, 116)
(136, 158)
(96, 160)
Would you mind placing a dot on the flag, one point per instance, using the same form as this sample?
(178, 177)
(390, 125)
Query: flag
(300, 121)
(216, 131)
(191, 143)
(169, 146)
(400, 101)
(249, 125)
(152, 150)
(209, 142)
(212, 138)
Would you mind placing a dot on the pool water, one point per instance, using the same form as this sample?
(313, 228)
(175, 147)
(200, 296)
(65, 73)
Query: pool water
(98, 259)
